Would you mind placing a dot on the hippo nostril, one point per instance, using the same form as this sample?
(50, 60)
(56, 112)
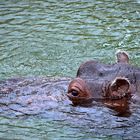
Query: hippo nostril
(74, 93)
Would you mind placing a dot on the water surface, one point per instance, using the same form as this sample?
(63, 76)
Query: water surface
(52, 38)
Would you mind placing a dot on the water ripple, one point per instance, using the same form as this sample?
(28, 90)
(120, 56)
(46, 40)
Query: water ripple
(52, 38)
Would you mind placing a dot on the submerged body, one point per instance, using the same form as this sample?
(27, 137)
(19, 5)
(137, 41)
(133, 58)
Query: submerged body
(32, 96)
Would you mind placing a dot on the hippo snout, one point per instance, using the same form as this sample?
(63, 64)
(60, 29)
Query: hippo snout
(78, 92)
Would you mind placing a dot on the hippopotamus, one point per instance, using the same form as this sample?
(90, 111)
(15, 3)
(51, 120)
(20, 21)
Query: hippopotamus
(29, 96)
(110, 83)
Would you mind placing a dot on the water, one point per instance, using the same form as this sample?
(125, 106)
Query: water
(52, 38)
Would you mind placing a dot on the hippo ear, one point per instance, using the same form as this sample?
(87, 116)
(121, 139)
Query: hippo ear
(122, 57)
(120, 87)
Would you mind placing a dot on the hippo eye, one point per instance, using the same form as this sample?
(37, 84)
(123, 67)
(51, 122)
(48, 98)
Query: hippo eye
(101, 74)
(74, 93)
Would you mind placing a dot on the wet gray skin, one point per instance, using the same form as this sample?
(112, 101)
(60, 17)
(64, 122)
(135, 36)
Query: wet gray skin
(31, 96)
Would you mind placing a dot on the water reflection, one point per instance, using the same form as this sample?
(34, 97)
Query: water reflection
(121, 107)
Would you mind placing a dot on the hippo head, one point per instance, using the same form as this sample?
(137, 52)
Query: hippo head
(97, 81)
(79, 92)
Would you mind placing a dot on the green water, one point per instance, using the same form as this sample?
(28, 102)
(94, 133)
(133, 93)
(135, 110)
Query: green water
(52, 38)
